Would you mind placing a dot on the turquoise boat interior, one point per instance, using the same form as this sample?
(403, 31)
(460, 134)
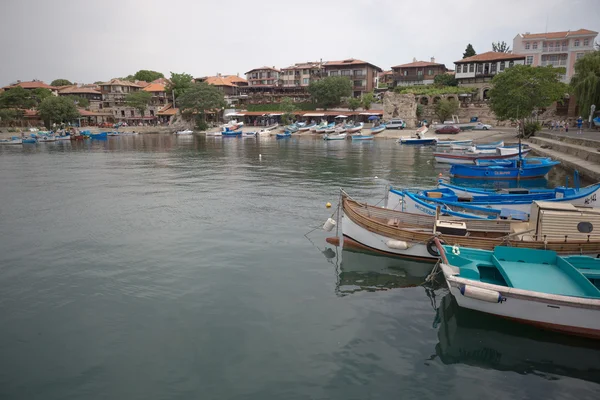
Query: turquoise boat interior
(528, 269)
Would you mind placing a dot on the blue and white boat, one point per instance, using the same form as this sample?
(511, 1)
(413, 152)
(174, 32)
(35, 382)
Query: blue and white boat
(13, 140)
(340, 136)
(29, 140)
(362, 137)
(324, 128)
(231, 133)
(536, 287)
(355, 128)
(307, 127)
(377, 129)
(99, 136)
(284, 135)
(524, 168)
(448, 143)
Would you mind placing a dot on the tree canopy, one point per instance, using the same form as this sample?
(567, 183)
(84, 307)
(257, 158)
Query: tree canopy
(60, 82)
(139, 100)
(55, 109)
(585, 84)
(520, 90)
(469, 51)
(288, 107)
(500, 47)
(201, 97)
(16, 97)
(367, 99)
(444, 109)
(328, 92)
(79, 101)
(179, 83)
(147, 75)
(353, 103)
(445, 80)
(39, 94)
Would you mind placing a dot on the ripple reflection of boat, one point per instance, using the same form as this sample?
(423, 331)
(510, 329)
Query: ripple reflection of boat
(359, 271)
(476, 339)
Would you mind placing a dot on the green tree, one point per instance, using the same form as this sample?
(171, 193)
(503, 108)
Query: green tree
(79, 101)
(469, 51)
(179, 83)
(40, 94)
(420, 111)
(288, 108)
(199, 98)
(445, 80)
(58, 110)
(521, 90)
(129, 78)
(354, 103)
(147, 75)
(367, 99)
(585, 84)
(7, 115)
(60, 82)
(444, 109)
(16, 97)
(139, 100)
(500, 47)
(329, 91)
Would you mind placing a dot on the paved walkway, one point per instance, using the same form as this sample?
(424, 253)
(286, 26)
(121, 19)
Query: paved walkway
(587, 134)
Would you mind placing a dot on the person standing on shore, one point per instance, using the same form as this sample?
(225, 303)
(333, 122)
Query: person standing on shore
(567, 127)
(579, 125)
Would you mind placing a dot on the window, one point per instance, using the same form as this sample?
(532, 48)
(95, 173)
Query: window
(479, 67)
(122, 113)
(545, 44)
(472, 68)
(132, 113)
(458, 68)
(527, 45)
(333, 73)
(586, 42)
(346, 72)
(529, 60)
(576, 44)
(405, 73)
(534, 45)
(358, 83)
(358, 72)
(502, 65)
(493, 68)
(579, 55)
(305, 81)
(511, 64)
(152, 113)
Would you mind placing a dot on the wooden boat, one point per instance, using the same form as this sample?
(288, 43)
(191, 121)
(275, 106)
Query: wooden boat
(469, 158)
(12, 141)
(184, 132)
(355, 128)
(231, 133)
(44, 139)
(536, 287)
(527, 168)
(411, 235)
(30, 140)
(307, 127)
(249, 134)
(362, 137)
(63, 137)
(449, 143)
(99, 136)
(377, 129)
(323, 129)
(77, 137)
(214, 133)
(320, 126)
(284, 135)
(464, 126)
(341, 136)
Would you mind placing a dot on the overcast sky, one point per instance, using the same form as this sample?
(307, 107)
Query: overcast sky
(86, 41)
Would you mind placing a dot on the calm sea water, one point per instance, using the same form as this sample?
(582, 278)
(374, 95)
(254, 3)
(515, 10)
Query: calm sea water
(157, 267)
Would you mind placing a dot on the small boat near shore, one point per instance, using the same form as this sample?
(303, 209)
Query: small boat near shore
(341, 136)
(12, 141)
(231, 133)
(526, 168)
(470, 157)
(184, 132)
(284, 135)
(377, 129)
(355, 128)
(361, 137)
(531, 286)
(450, 143)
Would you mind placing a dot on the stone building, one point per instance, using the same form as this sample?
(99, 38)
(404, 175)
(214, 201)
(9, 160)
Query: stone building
(31, 85)
(301, 74)
(558, 49)
(266, 77)
(90, 92)
(417, 72)
(362, 74)
(478, 71)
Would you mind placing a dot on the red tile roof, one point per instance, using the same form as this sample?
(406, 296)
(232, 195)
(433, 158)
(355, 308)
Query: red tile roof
(119, 82)
(154, 87)
(491, 56)
(350, 61)
(261, 68)
(77, 90)
(31, 85)
(558, 35)
(418, 64)
(219, 81)
(86, 113)
(168, 110)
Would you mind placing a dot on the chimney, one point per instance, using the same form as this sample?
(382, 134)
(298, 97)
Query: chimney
(414, 59)
(433, 60)
(238, 74)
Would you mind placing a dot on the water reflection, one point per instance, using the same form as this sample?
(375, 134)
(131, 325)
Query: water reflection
(485, 341)
(359, 271)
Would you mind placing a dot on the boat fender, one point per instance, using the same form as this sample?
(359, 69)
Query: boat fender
(329, 225)
(397, 244)
(491, 296)
(521, 172)
(432, 248)
(487, 173)
(456, 250)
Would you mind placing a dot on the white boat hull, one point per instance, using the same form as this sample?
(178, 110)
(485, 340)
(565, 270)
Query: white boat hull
(376, 242)
(355, 129)
(541, 310)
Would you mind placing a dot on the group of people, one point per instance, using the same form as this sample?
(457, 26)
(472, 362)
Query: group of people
(563, 125)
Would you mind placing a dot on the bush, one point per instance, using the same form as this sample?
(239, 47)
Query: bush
(431, 90)
(201, 125)
(530, 128)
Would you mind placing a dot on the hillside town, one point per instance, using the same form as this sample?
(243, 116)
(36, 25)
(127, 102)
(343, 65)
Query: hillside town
(252, 93)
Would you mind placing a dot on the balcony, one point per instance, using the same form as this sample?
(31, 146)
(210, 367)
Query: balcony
(407, 78)
(483, 74)
(562, 49)
(559, 63)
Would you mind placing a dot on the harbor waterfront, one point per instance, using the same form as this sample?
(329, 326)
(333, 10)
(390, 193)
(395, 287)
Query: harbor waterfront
(165, 266)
